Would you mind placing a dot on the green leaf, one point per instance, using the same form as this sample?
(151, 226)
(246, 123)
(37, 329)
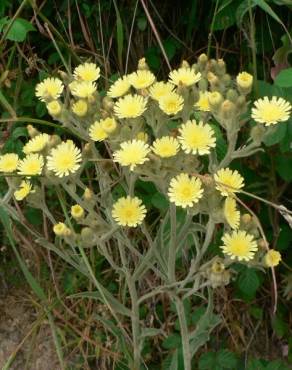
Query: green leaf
(276, 365)
(19, 132)
(285, 237)
(19, 30)
(248, 281)
(171, 362)
(207, 361)
(284, 166)
(275, 134)
(280, 326)
(142, 24)
(227, 359)
(284, 78)
(226, 15)
(159, 201)
(171, 342)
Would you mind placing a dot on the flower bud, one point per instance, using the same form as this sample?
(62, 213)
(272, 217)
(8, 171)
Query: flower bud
(227, 110)
(226, 79)
(215, 100)
(263, 244)
(80, 108)
(211, 65)
(54, 108)
(202, 61)
(257, 133)
(203, 84)
(220, 67)
(246, 218)
(142, 136)
(241, 102)
(244, 82)
(59, 229)
(32, 131)
(232, 95)
(185, 64)
(217, 275)
(272, 258)
(88, 194)
(107, 103)
(142, 65)
(77, 212)
(87, 235)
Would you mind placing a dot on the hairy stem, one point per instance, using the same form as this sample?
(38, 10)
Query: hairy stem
(184, 334)
(172, 249)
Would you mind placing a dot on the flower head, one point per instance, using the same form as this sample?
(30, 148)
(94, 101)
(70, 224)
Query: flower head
(129, 211)
(8, 162)
(244, 80)
(203, 103)
(50, 89)
(60, 229)
(130, 106)
(36, 144)
(31, 165)
(54, 108)
(87, 72)
(80, 108)
(160, 89)
(77, 211)
(272, 258)
(228, 181)
(165, 147)
(185, 191)
(64, 159)
(97, 132)
(196, 138)
(184, 76)
(141, 79)
(132, 153)
(270, 112)
(119, 88)
(239, 245)
(84, 89)
(171, 103)
(232, 215)
(24, 189)
(109, 124)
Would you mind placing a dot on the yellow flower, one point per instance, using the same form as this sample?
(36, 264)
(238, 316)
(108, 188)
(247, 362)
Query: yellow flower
(49, 89)
(196, 138)
(24, 189)
(109, 125)
(97, 132)
(215, 99)
(141, 79)
(272, 258)
(185, 191)
(64, 159)
(271, 111)
(60, 229)
(8, 162)
(160, 89)
(203, 103)
(244, 80)
(119, 88)
(129, 211)
(132, 153)
(31, 165)
(171, 103)
(80, 108)
(36, 144)
(165, 147)
(84, 89)
(87, 72)
(88, 194)
(54, 108)
(232, 215)
(77, 211)
(130, 106)
(239, 245)
(184, 76)
(228, 181)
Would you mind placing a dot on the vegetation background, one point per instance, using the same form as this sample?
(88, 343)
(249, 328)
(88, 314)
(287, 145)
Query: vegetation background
(38, 38)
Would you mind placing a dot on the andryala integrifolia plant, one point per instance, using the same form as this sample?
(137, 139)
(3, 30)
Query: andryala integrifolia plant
(166, 133)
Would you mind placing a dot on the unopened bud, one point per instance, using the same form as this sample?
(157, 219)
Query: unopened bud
(32, 131)
(142, 65)
(228, 110)
(54, 108)
(232, 95)
(221, 67)
(246, 218)
(226, 79)
(244, 82)
(263, 244)
(107, 103)
(88, 194)
(257, 133)
(202, 60)
(185, 64)
(215, 100)
(241, 102)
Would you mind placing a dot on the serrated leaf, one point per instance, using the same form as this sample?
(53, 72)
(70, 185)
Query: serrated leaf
(226, 359)
(275, 134)
(207, 361)
(284, 78)
(19, 30)
(248, 281)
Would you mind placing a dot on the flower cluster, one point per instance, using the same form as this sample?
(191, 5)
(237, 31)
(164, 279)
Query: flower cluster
(166, 132)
